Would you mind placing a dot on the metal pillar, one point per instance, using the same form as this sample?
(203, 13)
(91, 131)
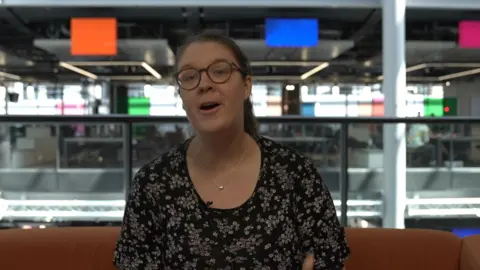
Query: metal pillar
(344, 183)
(127, 158)
(394, 89)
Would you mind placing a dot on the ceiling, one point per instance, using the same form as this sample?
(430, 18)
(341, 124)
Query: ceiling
(33, 41)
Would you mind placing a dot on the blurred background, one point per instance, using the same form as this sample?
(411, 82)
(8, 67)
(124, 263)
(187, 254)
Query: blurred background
(309, 63)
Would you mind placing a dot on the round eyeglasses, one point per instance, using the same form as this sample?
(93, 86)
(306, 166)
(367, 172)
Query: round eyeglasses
(218, 72)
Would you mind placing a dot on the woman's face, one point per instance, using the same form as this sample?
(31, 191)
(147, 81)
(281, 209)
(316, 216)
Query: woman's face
(212, 105)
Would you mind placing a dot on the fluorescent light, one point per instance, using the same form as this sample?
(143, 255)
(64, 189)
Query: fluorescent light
(145, 65)
(78, 70)
(133, 78)
(421, 79)
(459, 74)
(105, 63)
(416, 67)
(285, 63)
(313, 71)
(475, 70)
(276, 78)
(9, 75)
(454, 65)
(152, 71)
(410, 69)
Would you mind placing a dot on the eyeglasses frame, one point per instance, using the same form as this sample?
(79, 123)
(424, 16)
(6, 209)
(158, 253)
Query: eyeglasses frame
(233, 67)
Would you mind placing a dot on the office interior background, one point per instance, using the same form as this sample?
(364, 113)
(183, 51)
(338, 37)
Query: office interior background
(309, 64)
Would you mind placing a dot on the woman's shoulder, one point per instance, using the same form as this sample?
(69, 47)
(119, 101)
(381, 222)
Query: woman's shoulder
(283, 155)
(169, 163)
(279, 150)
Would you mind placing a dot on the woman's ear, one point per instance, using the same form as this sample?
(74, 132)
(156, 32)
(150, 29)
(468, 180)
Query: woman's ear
(248, 87)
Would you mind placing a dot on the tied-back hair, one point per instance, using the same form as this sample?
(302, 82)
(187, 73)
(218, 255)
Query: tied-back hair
(250, 122)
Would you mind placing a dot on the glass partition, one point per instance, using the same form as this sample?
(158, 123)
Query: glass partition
(60, 170)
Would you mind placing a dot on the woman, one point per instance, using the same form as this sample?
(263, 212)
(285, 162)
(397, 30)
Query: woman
(227, 198)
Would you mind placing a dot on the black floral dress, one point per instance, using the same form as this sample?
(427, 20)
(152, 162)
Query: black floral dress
(291, 213)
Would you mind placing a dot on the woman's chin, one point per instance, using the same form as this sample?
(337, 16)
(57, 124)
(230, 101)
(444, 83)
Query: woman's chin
(212, 127)
(211, 130)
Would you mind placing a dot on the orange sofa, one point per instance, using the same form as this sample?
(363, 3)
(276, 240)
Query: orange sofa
(372, 249)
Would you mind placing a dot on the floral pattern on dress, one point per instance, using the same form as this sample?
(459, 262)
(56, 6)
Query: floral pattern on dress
(290, 214)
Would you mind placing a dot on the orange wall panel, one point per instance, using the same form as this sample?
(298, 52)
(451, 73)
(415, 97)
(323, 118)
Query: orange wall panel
(93, 36)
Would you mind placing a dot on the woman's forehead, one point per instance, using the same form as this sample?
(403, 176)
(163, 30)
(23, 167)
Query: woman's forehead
(202, 54)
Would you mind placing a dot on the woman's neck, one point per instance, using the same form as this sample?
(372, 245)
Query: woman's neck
(220, 149)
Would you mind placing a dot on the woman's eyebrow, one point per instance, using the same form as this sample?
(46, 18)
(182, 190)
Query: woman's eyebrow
(185, 66)
(216, 60)
(221, 60)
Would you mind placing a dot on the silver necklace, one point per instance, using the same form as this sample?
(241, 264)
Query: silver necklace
(222, 187)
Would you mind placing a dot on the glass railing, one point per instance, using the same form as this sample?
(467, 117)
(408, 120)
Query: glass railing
(80, 167)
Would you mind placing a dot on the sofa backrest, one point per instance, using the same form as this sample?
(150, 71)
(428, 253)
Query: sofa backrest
(58, 248)
(412, 249)
(470, 259)
(92, 249)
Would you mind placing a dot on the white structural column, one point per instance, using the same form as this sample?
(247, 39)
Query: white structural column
(394, 89)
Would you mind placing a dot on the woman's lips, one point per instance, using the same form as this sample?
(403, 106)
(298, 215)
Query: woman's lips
(211, 111)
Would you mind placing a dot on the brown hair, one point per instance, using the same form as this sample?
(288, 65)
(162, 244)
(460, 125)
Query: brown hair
(250, 122)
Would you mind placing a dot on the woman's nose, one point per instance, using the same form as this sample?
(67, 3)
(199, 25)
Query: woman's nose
(205, 83)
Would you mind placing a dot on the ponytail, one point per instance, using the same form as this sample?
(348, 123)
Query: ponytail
(249, 121)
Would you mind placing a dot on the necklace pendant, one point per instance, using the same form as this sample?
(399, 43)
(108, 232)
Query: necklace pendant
(221, 188)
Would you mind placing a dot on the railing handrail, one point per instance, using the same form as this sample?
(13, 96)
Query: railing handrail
(115, 118)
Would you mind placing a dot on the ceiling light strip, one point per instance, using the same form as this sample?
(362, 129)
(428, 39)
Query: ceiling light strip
(134, 78)
(78, 70)
(459, 74)
(105, 63)
(9, 76)
(455, 65)
(410, 69)
(314, 70)
(152, 71)
(285, 63)
(421, 79)
(276, 78)
(416, 67)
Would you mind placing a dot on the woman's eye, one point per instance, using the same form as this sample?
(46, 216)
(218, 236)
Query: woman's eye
(219, 71)
(187, 77)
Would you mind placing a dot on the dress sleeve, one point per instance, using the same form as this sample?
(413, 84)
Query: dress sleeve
(320, 231)
(139, 246)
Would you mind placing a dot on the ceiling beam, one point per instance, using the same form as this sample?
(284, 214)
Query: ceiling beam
(427, 4)
(16, 22)
(365, 38)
